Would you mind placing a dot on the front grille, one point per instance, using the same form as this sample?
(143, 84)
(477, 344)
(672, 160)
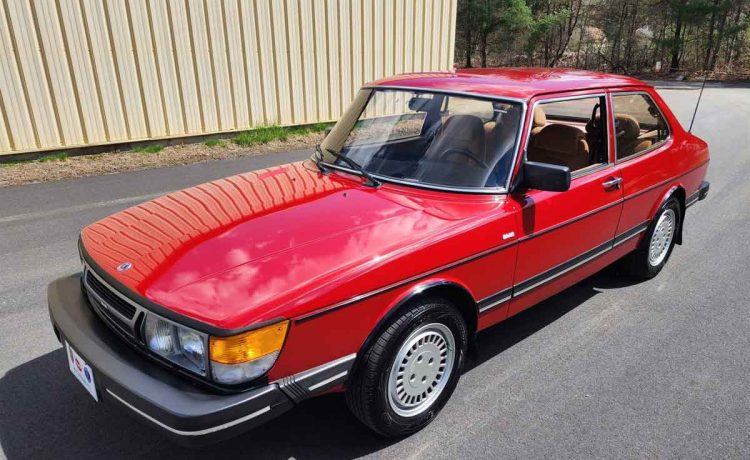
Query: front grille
(108, 317)
(119, 314)
(114, 301)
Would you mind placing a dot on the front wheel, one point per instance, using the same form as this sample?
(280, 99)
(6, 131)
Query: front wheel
(408, 374)
(654, 250)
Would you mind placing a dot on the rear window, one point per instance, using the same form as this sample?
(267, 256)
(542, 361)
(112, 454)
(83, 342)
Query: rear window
(465, 106)
(639, 125)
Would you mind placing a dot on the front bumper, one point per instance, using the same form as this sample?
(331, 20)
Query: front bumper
(183, 411)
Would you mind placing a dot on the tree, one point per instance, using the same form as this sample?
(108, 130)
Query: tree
(678, 10)
(613, 35)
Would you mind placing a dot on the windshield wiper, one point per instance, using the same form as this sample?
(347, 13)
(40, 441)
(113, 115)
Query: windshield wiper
(370, 182)
(319, 159)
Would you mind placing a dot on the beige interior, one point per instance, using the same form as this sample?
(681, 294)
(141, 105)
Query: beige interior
(561, 145)
(539, 121)
(629, 138)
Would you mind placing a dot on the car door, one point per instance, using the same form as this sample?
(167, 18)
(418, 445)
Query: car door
(643, 136)
(561, 232)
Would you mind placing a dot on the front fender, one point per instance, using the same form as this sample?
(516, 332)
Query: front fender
(449, 288)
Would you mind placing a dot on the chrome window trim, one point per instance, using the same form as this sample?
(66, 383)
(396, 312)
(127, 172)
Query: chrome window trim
(588, 169)
(670, 136)
(444, 188)
(448, 92)
(474, 190)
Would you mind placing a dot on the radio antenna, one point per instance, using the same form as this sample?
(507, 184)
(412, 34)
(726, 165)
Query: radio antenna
(690, 130)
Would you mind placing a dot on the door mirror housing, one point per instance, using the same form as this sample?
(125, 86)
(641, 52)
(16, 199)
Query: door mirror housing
(545, 176)
(327, 131)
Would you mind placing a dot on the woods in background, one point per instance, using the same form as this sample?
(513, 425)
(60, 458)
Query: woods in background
(623, 36)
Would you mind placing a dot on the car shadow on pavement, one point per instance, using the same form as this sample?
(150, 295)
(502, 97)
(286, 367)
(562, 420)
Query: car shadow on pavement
(497, 339)
(45, 413)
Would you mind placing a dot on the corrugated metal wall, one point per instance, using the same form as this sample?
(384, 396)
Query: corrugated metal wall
(90, 72)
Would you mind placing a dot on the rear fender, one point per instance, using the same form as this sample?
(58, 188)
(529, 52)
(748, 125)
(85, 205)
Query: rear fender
(678, 191)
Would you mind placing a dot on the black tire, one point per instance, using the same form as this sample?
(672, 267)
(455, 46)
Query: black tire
(638, 263)
(367, 392)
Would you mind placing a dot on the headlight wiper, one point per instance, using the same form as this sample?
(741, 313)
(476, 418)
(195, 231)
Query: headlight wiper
(370, 182)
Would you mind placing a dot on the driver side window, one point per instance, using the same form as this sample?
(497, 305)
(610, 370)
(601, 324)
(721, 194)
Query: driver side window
(570, 132)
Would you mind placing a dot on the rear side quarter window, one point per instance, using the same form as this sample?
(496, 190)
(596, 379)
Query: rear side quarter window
(639, 124)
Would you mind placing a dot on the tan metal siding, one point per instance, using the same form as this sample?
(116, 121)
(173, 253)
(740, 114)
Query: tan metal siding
(91, 72)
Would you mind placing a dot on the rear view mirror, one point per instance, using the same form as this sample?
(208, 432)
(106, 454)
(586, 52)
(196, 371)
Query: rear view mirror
(545, 176)
(419, 104)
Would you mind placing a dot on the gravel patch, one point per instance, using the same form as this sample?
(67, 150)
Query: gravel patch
(118, 161)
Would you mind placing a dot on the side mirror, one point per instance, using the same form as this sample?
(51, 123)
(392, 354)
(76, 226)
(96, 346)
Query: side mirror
(327, 131)
(545, 176)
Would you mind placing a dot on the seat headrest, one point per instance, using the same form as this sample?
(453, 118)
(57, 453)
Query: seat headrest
(463, 127)
(459, 132)
(627, 127)
(559, 138)
(540, 118)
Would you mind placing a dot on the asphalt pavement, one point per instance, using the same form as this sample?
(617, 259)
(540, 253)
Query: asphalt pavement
(607, 368)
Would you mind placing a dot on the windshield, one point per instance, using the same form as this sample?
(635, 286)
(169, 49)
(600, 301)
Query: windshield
(428, 138)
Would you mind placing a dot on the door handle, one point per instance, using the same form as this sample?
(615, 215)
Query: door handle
(612, 184)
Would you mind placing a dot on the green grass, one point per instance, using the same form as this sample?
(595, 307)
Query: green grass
(153, 148)
(266, 134)
(214, 143)
(62, 156)
(55, 157)
(319, 127)
(262, 135)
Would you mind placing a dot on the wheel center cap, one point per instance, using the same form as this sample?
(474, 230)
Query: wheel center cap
(422, 369)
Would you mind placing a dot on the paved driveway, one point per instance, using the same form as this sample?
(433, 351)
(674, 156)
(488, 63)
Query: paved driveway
(604, 369)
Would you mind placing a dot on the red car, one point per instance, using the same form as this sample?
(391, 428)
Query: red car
(439, 205)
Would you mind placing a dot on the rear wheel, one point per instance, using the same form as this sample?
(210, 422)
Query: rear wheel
(654, 250)
(408, 374)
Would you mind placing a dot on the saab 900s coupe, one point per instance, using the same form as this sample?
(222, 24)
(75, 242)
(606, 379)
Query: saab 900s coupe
(439, 205)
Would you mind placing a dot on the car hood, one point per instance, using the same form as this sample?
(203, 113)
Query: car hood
(261, 245)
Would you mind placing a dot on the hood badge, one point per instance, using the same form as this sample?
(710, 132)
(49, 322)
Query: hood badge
(124, 266)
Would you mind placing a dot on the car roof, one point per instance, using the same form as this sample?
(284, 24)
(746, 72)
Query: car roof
(518, 83)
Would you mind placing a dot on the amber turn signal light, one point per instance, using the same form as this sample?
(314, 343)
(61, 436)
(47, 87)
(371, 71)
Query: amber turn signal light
(250, 345)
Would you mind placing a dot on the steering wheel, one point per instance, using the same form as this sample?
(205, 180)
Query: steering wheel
(594, 133)
(465, 153)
